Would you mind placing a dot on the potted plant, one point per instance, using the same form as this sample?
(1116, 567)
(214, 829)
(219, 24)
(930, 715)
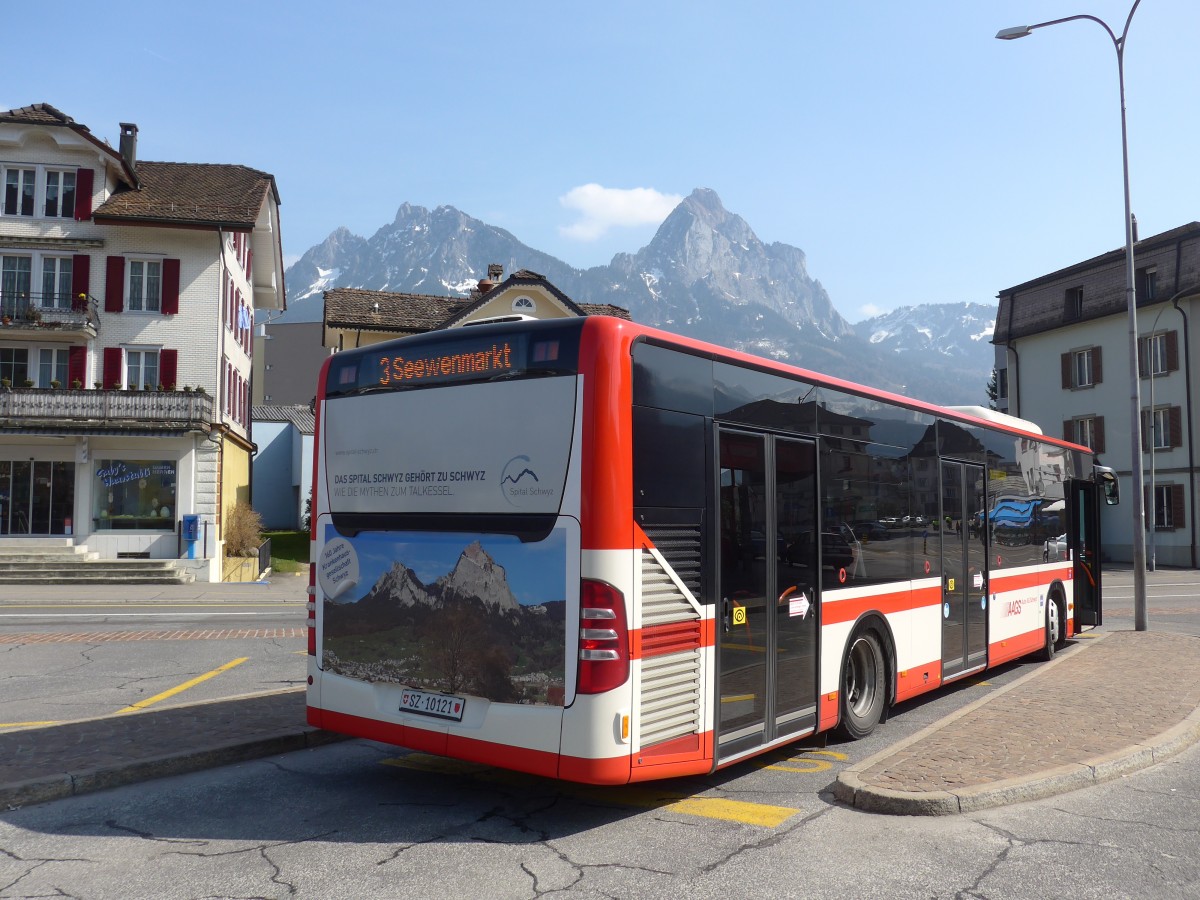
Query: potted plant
(5, 383)
(98, 385)
(55, 384)
(76, 384)
(28, 382)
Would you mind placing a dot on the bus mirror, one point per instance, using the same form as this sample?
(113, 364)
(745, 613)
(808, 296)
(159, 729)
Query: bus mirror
(1112, 488)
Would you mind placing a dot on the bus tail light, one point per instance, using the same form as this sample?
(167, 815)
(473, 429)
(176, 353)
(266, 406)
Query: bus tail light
(603, 638)
(312, 609)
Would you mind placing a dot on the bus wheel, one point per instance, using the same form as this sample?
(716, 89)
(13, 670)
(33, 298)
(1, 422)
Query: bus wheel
(863, 692)
(1054, 629)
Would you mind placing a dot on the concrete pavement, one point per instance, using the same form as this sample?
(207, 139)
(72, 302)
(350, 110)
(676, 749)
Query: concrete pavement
(1113, 703)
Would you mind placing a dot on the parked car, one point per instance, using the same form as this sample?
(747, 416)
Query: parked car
(1055, 549)
(871, 531)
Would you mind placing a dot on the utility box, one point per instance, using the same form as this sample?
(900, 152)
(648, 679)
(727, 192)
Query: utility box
(191, 528)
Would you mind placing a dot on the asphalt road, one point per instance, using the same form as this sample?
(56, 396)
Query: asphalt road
(63, 661)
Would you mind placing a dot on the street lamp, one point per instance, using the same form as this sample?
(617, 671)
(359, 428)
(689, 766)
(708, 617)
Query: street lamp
(1135, 413)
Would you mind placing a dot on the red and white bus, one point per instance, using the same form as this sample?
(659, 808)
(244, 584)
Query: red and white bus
(596, 551)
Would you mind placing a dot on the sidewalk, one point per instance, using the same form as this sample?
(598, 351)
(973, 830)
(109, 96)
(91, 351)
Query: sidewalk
(1118, 702)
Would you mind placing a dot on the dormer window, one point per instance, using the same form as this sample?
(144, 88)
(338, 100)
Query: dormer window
(523, 305)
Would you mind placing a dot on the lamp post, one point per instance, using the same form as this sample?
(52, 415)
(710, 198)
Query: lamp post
(1135, 413)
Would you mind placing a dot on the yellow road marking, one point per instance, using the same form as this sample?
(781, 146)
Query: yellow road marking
(832, 754)
(761, 814)
(804, 765)
(149, 701)
(24, 724)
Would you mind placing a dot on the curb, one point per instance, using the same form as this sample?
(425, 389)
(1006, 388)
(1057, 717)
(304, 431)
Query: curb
(853, 791)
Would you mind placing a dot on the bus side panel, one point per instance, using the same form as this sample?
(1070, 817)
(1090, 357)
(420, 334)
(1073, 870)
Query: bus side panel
(1017, 612)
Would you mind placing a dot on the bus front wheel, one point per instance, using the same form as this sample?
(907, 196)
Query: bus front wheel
(1055, 637)
(863, 691)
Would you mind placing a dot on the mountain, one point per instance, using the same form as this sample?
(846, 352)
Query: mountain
(704, 274)
(957, 332)
(476, 574)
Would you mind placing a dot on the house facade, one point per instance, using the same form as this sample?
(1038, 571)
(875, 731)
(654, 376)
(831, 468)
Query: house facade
(283, 464)
(1062, 361)
(126, 336)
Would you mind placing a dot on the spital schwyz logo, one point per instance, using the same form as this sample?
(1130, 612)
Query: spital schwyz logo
(517, 475)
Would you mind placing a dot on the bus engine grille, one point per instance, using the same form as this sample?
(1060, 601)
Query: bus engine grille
(669, 700)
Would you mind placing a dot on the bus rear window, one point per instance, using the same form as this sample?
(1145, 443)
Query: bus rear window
(479, 354)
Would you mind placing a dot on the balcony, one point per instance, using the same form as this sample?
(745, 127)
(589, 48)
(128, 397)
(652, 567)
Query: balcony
(46, 316)
(38, 410)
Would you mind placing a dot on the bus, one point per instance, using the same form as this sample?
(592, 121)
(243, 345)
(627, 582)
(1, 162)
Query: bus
(600, 552)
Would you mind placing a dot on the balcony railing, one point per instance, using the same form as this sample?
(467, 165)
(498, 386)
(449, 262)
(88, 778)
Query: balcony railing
(81, 411)
(23, 310)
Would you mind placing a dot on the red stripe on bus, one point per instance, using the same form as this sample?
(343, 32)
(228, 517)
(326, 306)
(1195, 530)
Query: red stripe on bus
(672, 637)
(607, 451)
(916, 680)
(1018, 645)
(1001, 582)
(834, 611)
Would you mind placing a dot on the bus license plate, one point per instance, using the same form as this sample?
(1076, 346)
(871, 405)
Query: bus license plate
(443, 706)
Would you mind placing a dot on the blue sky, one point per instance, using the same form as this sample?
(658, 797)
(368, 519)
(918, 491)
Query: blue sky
(909, 154)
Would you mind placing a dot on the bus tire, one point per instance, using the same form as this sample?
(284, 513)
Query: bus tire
(1056, 626)
(863, 689)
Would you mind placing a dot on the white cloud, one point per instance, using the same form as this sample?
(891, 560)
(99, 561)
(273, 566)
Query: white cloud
(602, 208)
(870, 310)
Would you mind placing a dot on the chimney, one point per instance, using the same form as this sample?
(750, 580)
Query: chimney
(129, 145)
(495, 272)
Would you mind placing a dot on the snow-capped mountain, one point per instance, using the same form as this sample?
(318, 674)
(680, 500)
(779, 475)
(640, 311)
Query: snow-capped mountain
(705, 274)
(955, 331)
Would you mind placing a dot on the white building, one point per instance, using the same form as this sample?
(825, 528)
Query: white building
(126, 306)
(1062, 360)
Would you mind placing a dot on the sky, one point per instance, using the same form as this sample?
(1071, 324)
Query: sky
(909, 154)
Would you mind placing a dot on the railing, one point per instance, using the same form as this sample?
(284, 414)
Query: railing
(23, 309)
(264, 555)
(72, 409)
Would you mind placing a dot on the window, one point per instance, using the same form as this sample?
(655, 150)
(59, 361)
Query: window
(14, 365)
(1082, 368)
(19, 185)
(523, 305)
(1073, 304)
(52, 366)
(1086, 430)
(1167, 507)
(145, 285)
(141, 369)
(1160, 429)
(15, 277)
(134, 494)
(1158, 354)
(56, 282)
(1147, 284)
(60, 194)
(1002, 384)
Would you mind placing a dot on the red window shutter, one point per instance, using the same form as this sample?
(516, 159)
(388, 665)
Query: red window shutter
(170, 287)
(168, 368)
(1069, 430)
(1097, 368)
(1066, 371)
(76, 365)
(114, 285)
(83, 194)
(112, 367)
(81, 277)
(1098, 428)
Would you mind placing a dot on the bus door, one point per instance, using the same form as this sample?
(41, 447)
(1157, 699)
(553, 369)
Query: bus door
(769, 572)
(964, 568)
(1083, 537)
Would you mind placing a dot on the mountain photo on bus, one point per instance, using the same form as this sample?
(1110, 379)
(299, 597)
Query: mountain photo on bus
(477, 615)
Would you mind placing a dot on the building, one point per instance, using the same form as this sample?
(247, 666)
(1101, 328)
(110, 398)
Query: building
(1062, 360)
(126, 305)
(283, 461)
(357, 318)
